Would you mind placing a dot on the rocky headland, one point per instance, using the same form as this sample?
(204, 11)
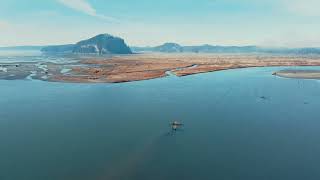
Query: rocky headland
(100, 44)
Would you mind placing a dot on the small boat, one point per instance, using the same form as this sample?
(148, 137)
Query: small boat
(176, 125)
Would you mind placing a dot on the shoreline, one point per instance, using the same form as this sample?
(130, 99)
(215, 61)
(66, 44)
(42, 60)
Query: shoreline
(139, 67)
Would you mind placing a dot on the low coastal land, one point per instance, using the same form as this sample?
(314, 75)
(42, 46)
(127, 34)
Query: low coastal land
(298, 74)
(137, 67)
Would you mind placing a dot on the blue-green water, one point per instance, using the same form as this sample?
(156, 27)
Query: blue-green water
(59, 131)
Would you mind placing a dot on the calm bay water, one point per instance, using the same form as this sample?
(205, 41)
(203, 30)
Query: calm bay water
(60, 131)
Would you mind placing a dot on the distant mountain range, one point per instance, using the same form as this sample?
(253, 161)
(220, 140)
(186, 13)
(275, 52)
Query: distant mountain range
(21, 48)
(100, 44)
(108, 44)
(176, 48)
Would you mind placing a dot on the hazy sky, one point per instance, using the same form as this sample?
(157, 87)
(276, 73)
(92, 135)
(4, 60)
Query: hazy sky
(151, 22)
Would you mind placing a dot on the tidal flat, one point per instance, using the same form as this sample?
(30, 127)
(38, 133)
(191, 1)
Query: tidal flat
(117, 69)
(298, 73)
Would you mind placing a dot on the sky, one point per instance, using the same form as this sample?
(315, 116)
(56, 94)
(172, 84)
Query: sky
(272, 23)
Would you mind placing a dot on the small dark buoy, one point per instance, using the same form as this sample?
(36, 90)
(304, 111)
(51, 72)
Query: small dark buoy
(263, 98)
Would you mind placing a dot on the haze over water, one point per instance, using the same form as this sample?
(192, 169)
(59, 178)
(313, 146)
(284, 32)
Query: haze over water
(120, 131)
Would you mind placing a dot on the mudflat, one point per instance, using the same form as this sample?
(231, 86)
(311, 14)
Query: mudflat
(298, 74)
(137, 67)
